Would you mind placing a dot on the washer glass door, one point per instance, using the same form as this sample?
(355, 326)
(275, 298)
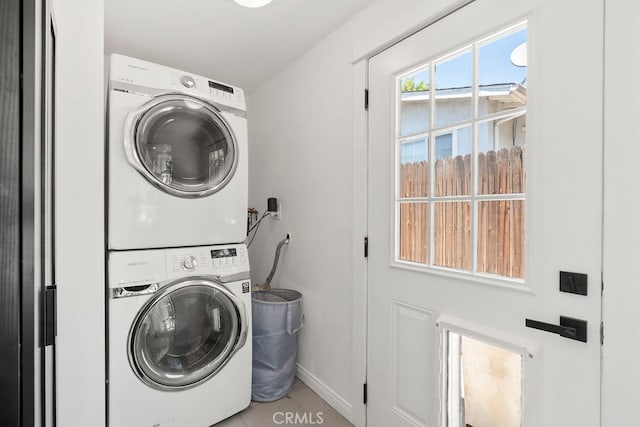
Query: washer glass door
(182, 145)
(185, 334)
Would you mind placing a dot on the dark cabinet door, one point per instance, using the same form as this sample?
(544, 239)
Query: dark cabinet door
(10, 212)
(21, 62)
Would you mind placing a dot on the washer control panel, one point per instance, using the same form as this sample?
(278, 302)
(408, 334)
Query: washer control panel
(143, 267)
(219, 260)
(228, 257)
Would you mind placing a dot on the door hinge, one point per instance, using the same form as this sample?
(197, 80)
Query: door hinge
(50, 315)
(364, 393)
(366, 247)
(601, 333)
(366, 99)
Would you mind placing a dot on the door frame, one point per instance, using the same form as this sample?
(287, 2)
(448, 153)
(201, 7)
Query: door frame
(620, 264)
(45, 258)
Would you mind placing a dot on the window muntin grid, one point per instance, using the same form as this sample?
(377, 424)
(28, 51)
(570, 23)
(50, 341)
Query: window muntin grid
(475, 141)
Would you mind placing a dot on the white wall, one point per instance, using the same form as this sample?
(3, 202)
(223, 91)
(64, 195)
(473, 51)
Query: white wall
(301, 142)
(300, 151)
(80, 213)
(621, 351)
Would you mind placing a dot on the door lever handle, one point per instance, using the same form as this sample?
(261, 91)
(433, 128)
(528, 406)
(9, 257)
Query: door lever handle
(569, 327)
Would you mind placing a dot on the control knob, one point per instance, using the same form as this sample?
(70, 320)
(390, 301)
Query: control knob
(188, 82)
(189, 263)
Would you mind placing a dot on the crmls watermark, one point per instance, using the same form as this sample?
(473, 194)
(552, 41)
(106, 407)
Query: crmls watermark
(297, 418)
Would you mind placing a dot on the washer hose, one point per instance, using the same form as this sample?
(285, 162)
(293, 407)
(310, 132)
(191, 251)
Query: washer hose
(282, 242)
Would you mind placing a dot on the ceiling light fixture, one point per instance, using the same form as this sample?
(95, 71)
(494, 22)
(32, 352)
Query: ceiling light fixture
(252, 3)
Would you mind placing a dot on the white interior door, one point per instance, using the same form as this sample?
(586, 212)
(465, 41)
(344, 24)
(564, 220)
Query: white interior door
(485, 183)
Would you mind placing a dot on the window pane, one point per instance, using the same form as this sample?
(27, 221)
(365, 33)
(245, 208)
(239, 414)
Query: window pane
(453, 162)
(453, 89)
(502, 82)
(501, 163)
(414, 168)
(414, 232)
(501, 238)
(415, 111)
(444, 145)
(452, 233)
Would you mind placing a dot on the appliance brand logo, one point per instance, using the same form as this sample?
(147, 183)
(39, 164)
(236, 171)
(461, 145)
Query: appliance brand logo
(245, 287)
(137, 67)
(136, 263)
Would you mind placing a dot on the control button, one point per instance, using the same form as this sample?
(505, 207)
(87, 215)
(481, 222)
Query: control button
(243, 259)
(188, 82)
(241, 250)
(189, 263)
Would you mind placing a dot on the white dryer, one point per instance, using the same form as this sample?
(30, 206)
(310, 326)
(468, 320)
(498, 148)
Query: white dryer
(177, 158)
(179, 336)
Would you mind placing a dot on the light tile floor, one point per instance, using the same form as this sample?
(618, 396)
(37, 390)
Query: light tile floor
(301, 401)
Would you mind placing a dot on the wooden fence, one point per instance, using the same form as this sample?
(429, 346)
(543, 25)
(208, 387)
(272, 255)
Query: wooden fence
(500, 223)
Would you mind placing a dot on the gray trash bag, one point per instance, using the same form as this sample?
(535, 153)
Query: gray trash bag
(277, 318)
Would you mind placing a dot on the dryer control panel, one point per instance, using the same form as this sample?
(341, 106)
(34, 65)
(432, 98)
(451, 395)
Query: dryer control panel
(131, 74)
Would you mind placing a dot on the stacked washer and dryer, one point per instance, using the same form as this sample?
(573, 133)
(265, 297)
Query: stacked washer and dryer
(179, 301)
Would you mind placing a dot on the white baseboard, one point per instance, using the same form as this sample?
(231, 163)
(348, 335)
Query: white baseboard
(326, 393)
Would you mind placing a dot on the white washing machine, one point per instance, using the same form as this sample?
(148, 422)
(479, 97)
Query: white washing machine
(177, 161)
(179, 336)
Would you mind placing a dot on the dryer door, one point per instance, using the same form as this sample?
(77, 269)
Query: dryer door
(182, 145)
(186, 333)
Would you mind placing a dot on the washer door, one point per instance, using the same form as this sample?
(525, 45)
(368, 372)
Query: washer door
(186, 333)
(182, 145)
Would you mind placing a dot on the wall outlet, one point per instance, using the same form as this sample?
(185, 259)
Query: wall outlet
(278, 214)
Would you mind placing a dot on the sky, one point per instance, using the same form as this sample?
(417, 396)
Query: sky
(494, 66)
(493, 60)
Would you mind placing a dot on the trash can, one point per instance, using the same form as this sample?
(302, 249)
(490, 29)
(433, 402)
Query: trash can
(277, 318)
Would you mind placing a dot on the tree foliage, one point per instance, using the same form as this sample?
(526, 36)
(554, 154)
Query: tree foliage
(409, 85)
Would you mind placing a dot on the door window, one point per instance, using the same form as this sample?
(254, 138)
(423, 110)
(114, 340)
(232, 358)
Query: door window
(184, 336)
(465, 210)
(184, 146)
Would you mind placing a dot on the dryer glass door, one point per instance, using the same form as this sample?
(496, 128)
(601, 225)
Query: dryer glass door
(185, 334)
(182, 145)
